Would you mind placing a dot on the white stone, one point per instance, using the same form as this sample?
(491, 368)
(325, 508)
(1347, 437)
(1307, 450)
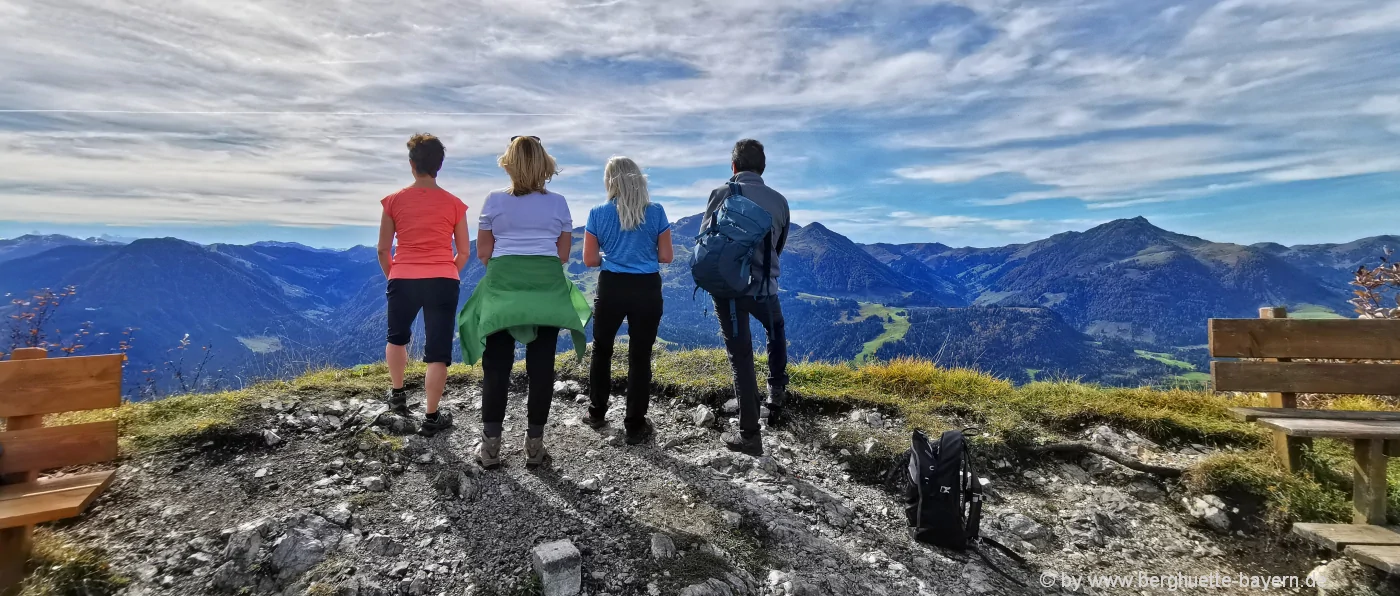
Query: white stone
(559, 567)
(703, 417)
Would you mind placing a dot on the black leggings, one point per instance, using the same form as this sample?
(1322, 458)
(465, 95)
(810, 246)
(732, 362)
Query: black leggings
(636, 298)
(496, 362)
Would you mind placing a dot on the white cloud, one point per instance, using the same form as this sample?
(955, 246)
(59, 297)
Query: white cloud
(292, 113)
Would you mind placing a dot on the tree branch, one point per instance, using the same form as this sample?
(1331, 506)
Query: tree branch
(1085, 448)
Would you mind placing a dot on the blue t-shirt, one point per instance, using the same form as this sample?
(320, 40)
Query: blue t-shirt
(628, 251)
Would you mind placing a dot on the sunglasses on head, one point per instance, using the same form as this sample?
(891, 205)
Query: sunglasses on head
(512, 139)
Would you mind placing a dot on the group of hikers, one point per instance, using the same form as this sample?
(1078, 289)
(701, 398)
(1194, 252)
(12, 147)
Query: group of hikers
(524, 238)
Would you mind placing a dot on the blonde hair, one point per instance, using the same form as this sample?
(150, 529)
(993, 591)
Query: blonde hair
(528, 165)
(627, 188)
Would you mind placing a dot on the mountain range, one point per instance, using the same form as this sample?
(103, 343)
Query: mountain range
(1125, 302)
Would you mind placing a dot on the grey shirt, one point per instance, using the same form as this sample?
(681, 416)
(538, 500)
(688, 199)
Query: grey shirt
(752, 186)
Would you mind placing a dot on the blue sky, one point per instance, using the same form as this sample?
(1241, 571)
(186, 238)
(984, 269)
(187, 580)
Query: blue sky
(977, 122)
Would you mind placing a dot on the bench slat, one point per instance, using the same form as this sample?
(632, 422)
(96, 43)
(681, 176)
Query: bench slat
(1339, 536)
(1341, 339)
(58, 446)
(1335, 429)
(1354, 378)
(1384, 558)
(47, 500)
(51, 385)
(1252, 414)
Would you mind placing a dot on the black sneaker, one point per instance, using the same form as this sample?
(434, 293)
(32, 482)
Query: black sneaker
(641, 435)
(736, 441)
(777, 418)
(594, 422)
(398, 402)
(432, 426)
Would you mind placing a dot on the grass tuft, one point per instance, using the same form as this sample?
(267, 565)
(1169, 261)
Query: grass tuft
(63, 569)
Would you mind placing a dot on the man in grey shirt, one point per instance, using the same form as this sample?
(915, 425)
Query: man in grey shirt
(748, 162)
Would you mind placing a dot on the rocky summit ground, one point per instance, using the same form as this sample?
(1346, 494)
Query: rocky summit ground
(331, 494)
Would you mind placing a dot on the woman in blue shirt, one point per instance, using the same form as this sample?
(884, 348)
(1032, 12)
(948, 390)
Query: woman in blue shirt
(630, 238)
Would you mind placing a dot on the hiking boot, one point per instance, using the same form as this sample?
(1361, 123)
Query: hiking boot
(736, 441)
(776, 416)
(488, 454)
(535, 453)
(431, 427)
(640, 435)
(398, 402)
(594, 422)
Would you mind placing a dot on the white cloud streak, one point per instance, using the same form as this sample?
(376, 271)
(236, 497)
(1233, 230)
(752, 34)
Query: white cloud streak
(292, 113)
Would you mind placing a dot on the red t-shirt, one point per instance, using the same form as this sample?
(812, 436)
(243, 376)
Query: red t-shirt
(423, 222)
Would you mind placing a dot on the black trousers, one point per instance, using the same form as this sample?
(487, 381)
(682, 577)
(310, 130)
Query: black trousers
(738, 341)
(496, 362)
(637, 299)
(437, 298)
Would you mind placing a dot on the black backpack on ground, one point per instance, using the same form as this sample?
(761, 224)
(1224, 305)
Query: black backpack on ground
(943, 493)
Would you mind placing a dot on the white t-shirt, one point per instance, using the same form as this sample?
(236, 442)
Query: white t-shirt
(526, 226)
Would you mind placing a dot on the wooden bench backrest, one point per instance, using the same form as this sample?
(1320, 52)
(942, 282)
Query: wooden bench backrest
(31, 386)
(1322, 339)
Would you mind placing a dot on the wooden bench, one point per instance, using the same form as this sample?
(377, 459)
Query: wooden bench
(30, 387)
(1343, 355)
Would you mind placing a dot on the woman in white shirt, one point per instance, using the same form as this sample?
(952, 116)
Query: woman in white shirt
(525, 235)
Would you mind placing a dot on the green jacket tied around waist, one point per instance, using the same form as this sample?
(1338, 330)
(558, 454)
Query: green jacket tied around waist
(520, 294)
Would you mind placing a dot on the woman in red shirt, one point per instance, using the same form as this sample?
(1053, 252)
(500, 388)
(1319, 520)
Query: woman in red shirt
(428, 222)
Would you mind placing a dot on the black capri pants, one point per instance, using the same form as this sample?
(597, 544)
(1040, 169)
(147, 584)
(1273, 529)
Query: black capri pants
(437, 298)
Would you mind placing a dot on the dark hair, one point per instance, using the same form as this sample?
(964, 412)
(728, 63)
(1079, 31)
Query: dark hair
(425, 151)
(748, 156)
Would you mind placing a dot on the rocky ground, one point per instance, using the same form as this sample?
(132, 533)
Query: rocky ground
(332, 495)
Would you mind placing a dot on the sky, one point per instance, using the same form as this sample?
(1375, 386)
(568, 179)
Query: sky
(972, 122)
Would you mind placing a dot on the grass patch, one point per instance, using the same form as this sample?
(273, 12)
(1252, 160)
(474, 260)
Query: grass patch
(1166, 359)
(62, 569)
(896, 326)
(1256, 481)
(1312, 311)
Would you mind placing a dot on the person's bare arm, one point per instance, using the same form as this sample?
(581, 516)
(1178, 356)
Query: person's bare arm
(386, 243)
(665, 251)
(462, 236)
(591, 255)
(566, 245)
(485, 243)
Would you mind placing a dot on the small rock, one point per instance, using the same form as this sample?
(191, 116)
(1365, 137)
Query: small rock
(1211, 510)
(590, 485)
(339, 515)
(296, 552)
(271, 438)
(662, 547)
(1024, 527)
(703, 417)
(730, 407)
(567, 388)
(374, 484)
(731, 518)
(559, 567)
(381, 545)
(261, 473)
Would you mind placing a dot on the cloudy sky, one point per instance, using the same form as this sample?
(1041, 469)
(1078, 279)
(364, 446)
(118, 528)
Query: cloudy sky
(972, 122)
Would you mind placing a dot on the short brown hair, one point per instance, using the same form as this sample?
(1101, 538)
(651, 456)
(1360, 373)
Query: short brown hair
(425, 152)
(528, 164)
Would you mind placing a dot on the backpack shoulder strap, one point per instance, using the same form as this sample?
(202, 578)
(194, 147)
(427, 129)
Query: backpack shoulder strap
(735, 189)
